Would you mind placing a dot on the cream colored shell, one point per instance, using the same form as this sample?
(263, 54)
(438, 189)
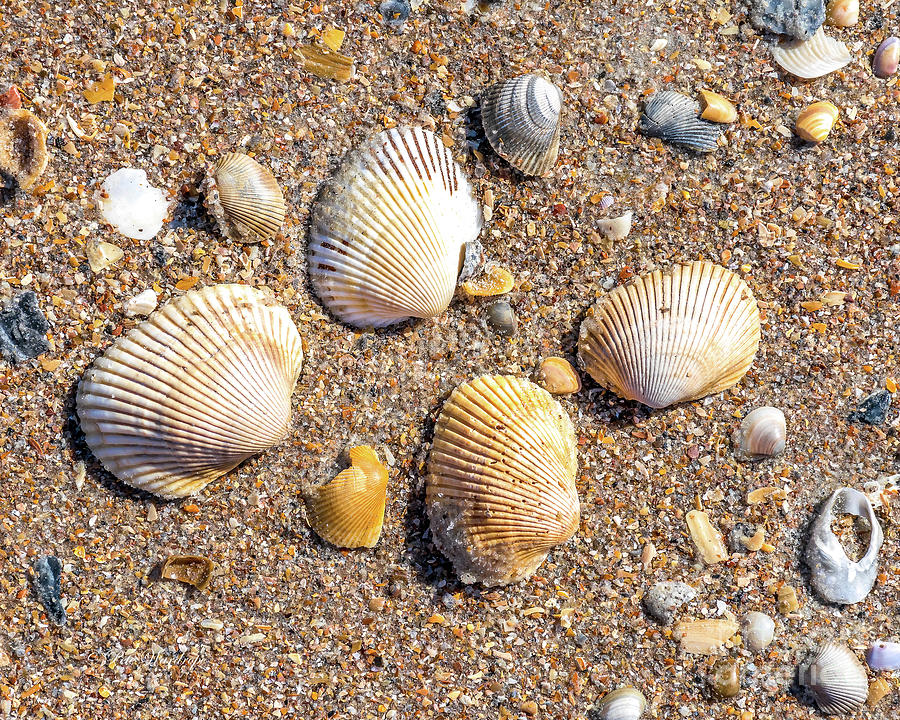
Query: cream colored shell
(671, 337)
(500, 490)
(812, 58)
(187, 395)
(716, 108)
(761, 434)
(842, 13)
(388, 234)
(245, 199)
(815, 122)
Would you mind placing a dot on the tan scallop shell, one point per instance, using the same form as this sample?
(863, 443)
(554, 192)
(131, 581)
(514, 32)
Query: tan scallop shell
(671, 337)
(812, 58)
(187, 395)
(23, 146)
(521, 122)
(388, 234)
(500, 490)
(716, 108)
(349, 510)
(815, 122)
(245, 199)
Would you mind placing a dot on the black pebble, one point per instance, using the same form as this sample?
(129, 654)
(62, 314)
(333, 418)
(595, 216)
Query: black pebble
(395, 12)
(23, 329)
(873, 410)
(47, 571)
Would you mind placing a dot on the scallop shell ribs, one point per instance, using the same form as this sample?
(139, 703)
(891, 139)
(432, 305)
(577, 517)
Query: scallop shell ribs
(500, 489)
(187, 395)
(671, 337)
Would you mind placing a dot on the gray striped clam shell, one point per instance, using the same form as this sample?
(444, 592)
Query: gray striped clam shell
(521, 122)
(245, 199)
(836, 679)
(674, 117)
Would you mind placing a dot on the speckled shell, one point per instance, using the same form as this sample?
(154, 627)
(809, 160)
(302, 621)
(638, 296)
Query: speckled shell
(887, 58)
(673, 117)
(815, 122)
(23, 146)
(245, 199)
(187, 395)
(349, 510)
(842, 13)
(812, 58)
(836, 679)
(521, 122)
(762, 433)
(500, 490)
(717, 108)
(624, 703)
(388, 234)
(670, 337)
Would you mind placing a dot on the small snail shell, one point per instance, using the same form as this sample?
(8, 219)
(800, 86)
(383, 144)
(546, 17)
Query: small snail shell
(761, 434)
(815, 122)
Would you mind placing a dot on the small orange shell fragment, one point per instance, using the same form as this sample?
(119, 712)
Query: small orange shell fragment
(495, 281)
(812, 305)
(847, 265)
(717, 108)
(103, 91)
(191, 569)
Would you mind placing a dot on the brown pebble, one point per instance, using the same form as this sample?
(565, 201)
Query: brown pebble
(725, 678)
(558, 376)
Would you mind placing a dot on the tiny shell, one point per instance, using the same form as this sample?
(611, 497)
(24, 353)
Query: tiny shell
(835, 577)
(707, 539)
(887, 58)
(842, 13)
(815, 122)
(672, 117)
(787, 600)
(878, 689)
(624, 703)
(812, 58)
(704, 637)
(617, 228)
(244, 198)
(725, 679)
(495, 281)
(761, 434)
(23, 146)
(558, 377)
(191, 569)
(521, 122)
(717, 108)
(883, 655)
(349, 510)
(759, 631)
(836, 679)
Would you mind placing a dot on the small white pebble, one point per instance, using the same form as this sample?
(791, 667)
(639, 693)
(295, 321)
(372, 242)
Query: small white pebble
(141, 304)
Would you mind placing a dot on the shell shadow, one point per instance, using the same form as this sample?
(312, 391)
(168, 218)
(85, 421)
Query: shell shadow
(8, 188)
(190, 212)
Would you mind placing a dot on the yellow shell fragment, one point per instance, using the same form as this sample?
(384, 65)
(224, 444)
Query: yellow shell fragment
(495, 281)
(349, 511)
(707, 539)
(191, 569)
(704, 637)
(716, 108)
(815, 122)
(103, 91)
(326, 63)
(878, 689)
(558, 376)
(23, 146)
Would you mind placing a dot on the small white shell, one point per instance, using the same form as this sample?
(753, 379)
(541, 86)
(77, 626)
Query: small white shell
(761, 434)
(388, 234)
(812, 58)
(624, 703)
(836, 679)
(521, 122)
(759, 631)
(617, 228)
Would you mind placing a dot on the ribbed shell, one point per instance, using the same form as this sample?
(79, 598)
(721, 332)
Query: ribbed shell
(23, 146)
(388, 234)
(670, 337)
(500, 489)
(673, 117)
(245, 199)
(836, 679)
(624, 703)
(521, 122)
(349, 510)
(762, 433)
(815, 122)
(812, 58)
(187, 395)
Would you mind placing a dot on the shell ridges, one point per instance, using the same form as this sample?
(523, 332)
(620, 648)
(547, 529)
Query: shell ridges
(673, 117)
(245, 199)
(812, 58)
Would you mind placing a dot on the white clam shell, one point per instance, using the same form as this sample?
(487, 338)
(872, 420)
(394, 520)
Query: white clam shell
(187, 395)
(762, 433)
(812, 58)
(521, 122)
(835, 577)
(758, 631)
(836, 679)
(388, 234)
(670, 337)
(624, 703)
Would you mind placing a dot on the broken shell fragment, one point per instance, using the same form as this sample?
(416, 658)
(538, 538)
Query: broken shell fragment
(707, 539)
(349, 510)
(624, 703)
(887, 58)
(842, 13)
(759, 631)
(558, 377)
(190, 569)
(812, 58)
(500, 489)
(671, 337)
(815, 122)
(878, 689)
(388, 235)
(716, 108)
(23, 145)
(725, 679)
(835, 678)
(617, 228)
(495, 281)
(521, 122)
(244, 198)
(193, 391)
(127, 201)
(704, 637)
(672, 117)
(834, 576)
(761, 434)
(883, 655)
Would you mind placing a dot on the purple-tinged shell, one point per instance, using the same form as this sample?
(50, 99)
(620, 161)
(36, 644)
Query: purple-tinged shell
(887, 58)
(883, 655)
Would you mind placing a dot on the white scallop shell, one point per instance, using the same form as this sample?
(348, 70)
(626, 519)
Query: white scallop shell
(812, 58)
(624, 703)
(762, 433)
(388, 234)
(670, 337)
(836, 679)
(187, 395)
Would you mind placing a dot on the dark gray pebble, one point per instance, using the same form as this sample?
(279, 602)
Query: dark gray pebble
(47, 572)
(395, 12)
(23, 328)
(873, 410)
